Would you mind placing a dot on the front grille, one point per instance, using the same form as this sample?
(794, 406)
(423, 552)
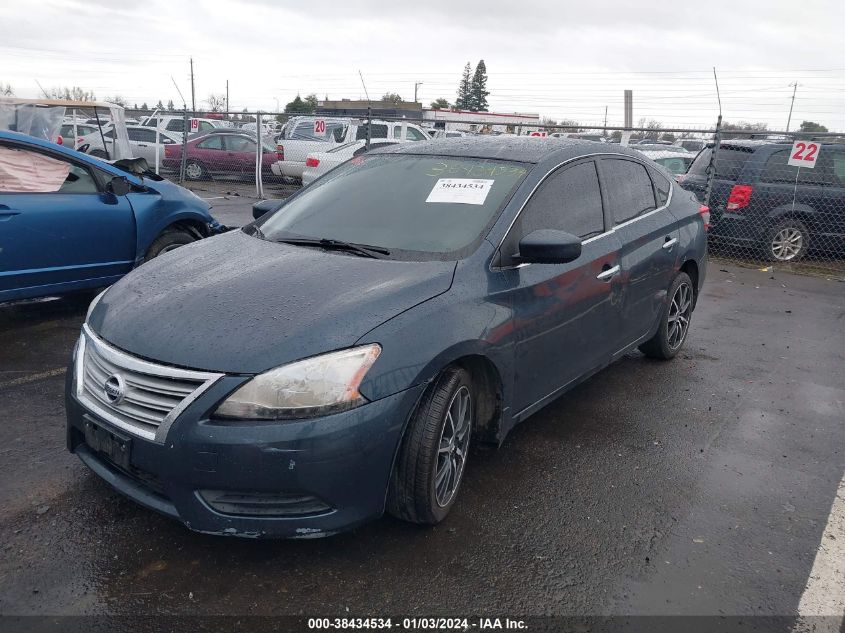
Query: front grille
(146, 397)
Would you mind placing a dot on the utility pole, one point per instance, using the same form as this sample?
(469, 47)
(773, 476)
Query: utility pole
(791, 104)
(416, 85)
(605, 119)
(193, 93)
(227, 98)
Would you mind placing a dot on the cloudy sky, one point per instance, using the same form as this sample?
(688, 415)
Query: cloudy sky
(562, 59)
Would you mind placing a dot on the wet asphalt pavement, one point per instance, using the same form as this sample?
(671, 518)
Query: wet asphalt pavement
(697, 486)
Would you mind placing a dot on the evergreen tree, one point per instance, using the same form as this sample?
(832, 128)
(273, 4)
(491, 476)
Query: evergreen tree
(463, 100)
(159, 105)
(170, 106)
(478, 89)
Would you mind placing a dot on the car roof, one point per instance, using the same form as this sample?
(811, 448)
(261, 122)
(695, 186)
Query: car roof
(523, 149)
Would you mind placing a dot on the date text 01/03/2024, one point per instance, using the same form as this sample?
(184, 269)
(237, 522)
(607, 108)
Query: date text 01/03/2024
(415, 624)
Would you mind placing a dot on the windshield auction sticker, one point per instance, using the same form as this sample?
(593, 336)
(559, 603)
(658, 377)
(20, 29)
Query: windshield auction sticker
(460, 190)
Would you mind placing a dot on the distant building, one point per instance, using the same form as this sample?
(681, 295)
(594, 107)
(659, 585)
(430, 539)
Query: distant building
(380, 109)
(466, 121)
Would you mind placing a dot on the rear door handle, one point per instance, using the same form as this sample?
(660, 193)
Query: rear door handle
(607, 275)
(669, 243)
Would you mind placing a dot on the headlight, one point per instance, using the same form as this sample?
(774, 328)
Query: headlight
(94, 304)
(314, 386)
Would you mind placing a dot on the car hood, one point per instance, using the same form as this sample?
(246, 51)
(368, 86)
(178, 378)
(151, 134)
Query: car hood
(238, 304)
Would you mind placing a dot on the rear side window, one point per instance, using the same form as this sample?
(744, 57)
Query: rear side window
(379, 131)
(212, 142)
(628, 187)
(569, 200)
(729, 162)
(776, 170)
(175, 125)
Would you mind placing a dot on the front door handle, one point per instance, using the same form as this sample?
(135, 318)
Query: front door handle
(669, 243)
(608, 273)
(7, 212)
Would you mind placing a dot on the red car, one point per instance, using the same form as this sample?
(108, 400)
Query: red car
(221, 153)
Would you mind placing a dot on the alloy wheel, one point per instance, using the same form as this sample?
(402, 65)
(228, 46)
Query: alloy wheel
(452, 447)
(680, 311)
(787, 244)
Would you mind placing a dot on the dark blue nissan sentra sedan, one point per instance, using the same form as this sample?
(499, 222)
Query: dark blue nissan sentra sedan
(337, 357)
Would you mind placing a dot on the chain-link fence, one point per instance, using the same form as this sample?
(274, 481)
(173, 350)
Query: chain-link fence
(776, 199)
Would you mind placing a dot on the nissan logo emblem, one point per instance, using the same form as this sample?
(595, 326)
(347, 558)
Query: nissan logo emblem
(115, 389)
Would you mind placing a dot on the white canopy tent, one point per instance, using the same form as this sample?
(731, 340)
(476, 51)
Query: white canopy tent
(43, 118)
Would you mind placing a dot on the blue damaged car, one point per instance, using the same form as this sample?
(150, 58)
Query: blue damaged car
(337, 358)
(69, 221)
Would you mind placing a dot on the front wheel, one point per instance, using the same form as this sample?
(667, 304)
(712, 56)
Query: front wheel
(168, 241)
(674, 322)
(430, 465)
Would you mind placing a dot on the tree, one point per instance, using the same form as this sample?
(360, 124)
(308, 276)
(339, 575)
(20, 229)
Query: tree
(216, 102)
(298, 106)
(170, 105)
(392, 98)
(72, 94)
(478, 89)
(440, 104)
(812, 126)
(144, 106)
(6, 90)
(311, 100)
(548, 124)
(121, 101)
(159, 105)
(743, 129)
(463, 100)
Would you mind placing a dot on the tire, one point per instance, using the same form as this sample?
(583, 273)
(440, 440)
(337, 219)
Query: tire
(195, 170)
(417, 493)
(787, 241)
(168, 241)
(667, 342)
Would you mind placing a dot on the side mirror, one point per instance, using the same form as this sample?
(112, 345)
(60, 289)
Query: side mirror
(547, 246)
(119, 186)
(263, 207)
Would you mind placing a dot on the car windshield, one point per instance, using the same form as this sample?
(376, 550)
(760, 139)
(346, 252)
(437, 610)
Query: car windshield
(417, 207)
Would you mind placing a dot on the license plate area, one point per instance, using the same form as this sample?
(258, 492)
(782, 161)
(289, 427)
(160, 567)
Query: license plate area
(114, 446)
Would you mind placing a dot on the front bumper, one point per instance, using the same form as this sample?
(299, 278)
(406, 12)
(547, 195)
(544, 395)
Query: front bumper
(342, 460)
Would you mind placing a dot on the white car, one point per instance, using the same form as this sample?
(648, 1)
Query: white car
(299, 139)
(318, 163)
(176, 123)
(446, 133)
(673, 161)
(142, 142)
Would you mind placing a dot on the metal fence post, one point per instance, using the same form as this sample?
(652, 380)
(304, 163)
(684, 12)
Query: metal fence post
(711, 167)
(259, 155)
(185, 130)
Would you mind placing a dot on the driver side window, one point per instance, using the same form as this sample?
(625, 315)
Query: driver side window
(25, 171)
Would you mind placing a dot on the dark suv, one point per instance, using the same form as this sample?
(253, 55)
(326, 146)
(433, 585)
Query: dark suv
(759, 200)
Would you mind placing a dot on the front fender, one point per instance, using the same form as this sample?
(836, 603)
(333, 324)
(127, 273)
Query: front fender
(419, 343)
(154, 212)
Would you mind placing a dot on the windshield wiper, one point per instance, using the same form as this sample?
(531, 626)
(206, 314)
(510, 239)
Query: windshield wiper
(337, 245)
(257, 232)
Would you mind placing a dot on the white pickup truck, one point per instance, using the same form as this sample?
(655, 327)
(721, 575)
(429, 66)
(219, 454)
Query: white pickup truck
(304, 135)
